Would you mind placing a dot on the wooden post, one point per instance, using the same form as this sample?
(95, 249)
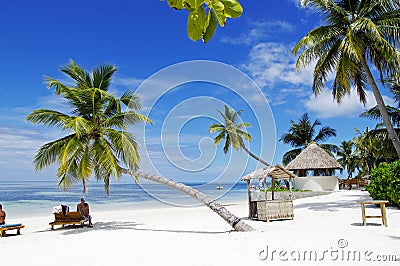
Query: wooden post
(290, 188)
(249, 196)
(273, 188)
(265, 188)
(383, 213)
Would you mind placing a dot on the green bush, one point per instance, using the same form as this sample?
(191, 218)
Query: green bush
(385, 183)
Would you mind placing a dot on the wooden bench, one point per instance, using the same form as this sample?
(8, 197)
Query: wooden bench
(68, 218)
(6, 227)
(382, 204)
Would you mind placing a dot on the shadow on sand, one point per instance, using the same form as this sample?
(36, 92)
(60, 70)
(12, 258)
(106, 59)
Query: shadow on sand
(118, 225)
(334, 206)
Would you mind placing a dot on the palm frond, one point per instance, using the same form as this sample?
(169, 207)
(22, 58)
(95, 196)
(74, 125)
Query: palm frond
(101, 76)
(50, 152)
(49, 118)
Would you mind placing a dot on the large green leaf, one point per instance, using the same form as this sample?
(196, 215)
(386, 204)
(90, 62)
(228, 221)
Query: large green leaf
(194, 4)
(233, 9)
(176, 4)
(218, 8)
(196, 21)
(211, 26)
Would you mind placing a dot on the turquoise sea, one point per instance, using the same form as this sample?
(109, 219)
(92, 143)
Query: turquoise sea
(37, 198)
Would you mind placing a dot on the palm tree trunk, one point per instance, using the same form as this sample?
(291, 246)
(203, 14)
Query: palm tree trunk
(381, 106)
(254, 156)
(229, 217)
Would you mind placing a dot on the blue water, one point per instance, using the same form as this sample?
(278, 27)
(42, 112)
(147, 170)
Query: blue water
(37, 198)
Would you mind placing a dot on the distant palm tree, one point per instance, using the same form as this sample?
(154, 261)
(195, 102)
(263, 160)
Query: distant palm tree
(369, 149)
(304, 133)
(233, 132)
(347, 157)
(357, 33)
(98, 143)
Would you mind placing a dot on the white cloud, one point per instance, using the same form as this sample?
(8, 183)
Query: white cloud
(259, 30)
(325, 106)
(128, 83)
(273, 62)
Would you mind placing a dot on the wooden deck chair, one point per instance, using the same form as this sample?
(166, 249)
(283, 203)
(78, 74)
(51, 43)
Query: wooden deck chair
(6, 227)
(68, 218)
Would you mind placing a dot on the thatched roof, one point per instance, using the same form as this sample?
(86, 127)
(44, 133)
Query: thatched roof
(313, 157)
(277, 172)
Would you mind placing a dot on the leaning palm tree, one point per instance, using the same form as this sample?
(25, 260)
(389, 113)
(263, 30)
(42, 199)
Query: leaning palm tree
(304, 133)
(233, 133)
(357, 34)
(97, 143)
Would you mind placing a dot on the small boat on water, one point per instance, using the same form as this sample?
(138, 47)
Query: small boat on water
(219, 187)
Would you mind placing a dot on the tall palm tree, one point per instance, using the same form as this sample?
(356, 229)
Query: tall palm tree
(357, 33)
(233, 133)
(347, 157)
(97, 142)
(379, 132)
(304, 133)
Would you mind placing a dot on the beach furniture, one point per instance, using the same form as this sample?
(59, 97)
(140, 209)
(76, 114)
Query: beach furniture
(6, 227)
(359, 182)
(68, 218)
(262, 208)
(381, 203)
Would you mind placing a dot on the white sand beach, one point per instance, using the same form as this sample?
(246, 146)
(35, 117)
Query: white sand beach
(329, 226)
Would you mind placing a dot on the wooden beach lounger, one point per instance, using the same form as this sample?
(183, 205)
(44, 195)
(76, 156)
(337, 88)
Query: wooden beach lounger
(6, 227)
(69, 218)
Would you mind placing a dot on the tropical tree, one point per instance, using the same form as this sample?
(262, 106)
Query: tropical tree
(393, 112)
(369, 150)
(357, 34)
(373, 147)
(379, 132)
(233, 133)
(97, 143)
(303, 133)
(347, 157)
(205, 15)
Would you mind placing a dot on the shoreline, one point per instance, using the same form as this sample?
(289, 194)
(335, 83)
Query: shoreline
(197, 236)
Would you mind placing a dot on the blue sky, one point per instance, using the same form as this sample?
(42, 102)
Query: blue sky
(144, 40)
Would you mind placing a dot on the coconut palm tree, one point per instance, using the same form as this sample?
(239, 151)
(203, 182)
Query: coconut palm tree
(233, 132)
(393, 112)
(369, 149)
(304, 133)
(347, 157)
(357, 34)
(97, 143)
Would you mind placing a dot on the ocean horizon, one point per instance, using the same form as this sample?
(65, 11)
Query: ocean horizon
(37, 198)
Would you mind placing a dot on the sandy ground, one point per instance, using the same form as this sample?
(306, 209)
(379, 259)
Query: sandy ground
(326, 230)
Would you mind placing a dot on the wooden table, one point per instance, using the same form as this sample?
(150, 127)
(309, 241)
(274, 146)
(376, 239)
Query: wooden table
(382, 204)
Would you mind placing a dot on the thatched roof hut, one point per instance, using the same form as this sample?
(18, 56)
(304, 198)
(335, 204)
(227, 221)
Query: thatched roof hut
(260, 207)
(313, 158)
(275, 172)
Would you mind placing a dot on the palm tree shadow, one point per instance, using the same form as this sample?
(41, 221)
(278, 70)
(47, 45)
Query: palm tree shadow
(368, 224)
(334, 206)
(118, 225)
(100, 226)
